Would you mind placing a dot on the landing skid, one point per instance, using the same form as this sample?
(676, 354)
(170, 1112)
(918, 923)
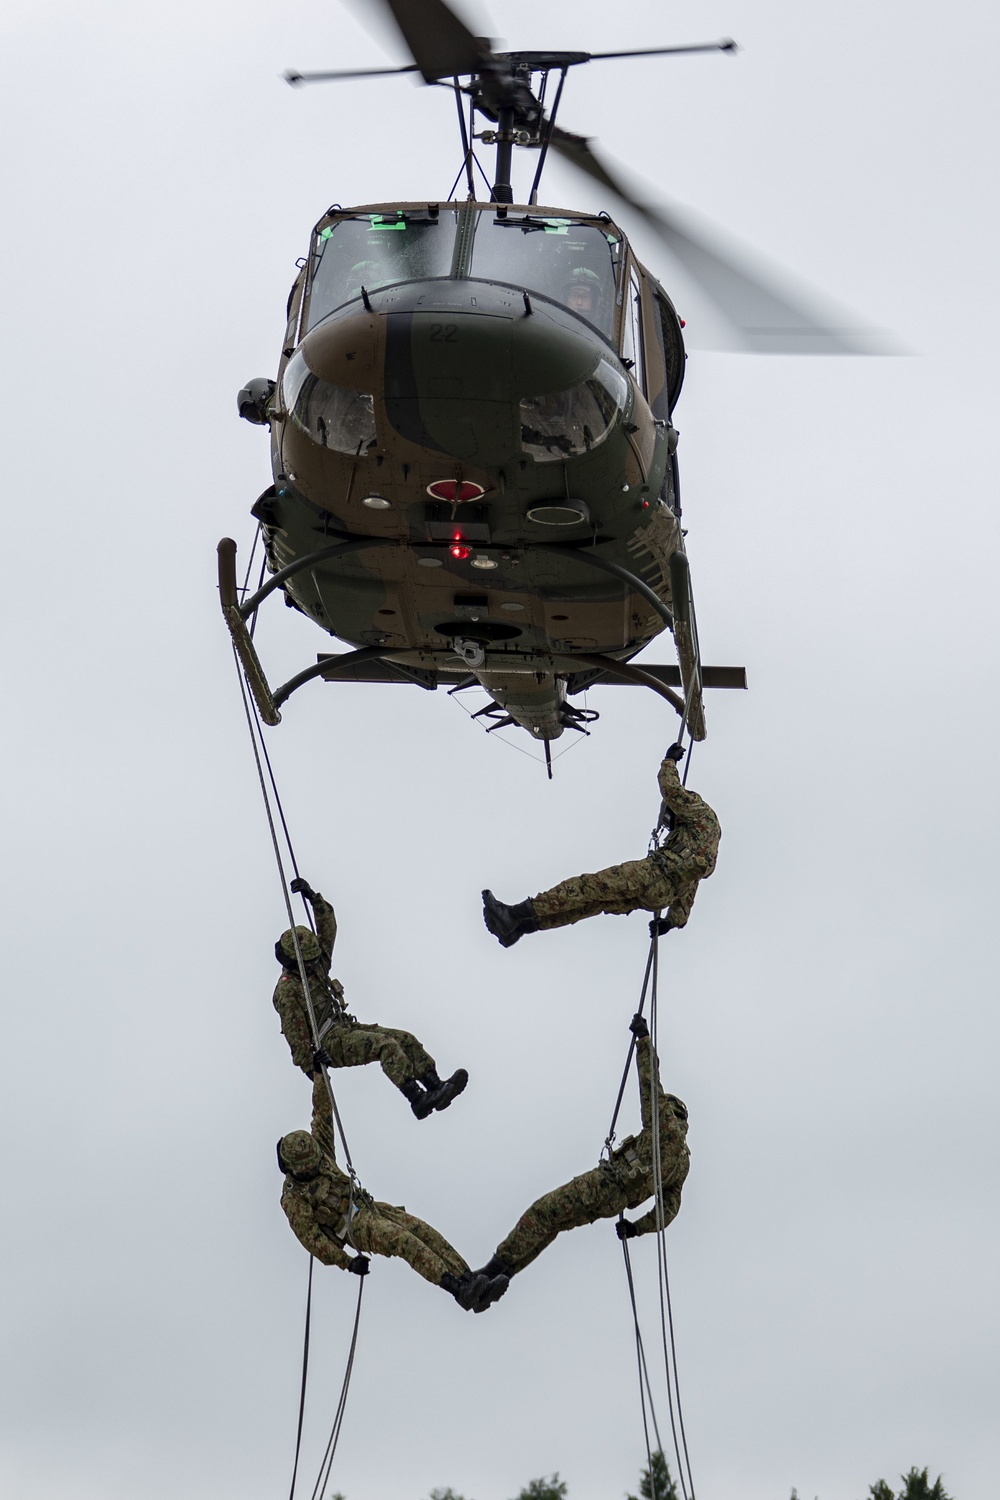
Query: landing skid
(376, 664)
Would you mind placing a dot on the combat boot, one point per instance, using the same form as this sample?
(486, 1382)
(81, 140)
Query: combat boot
(467, 1290)
(440, 1094)
(508, 923)
(492, 1292)
(419, 1099)
(494, 1267)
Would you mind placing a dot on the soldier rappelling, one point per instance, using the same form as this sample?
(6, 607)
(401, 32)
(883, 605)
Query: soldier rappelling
(342, 1041)
(327, 1212)
(622, 1180)
(667, 879)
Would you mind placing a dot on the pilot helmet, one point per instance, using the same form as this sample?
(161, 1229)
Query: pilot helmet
(364, 273)
(582, 291)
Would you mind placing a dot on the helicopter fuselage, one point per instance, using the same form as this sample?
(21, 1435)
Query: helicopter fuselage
(485, 391)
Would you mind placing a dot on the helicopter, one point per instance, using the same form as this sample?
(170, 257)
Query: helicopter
(475, 475)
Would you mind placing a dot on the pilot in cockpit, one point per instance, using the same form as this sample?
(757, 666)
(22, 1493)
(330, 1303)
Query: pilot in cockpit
(583, 293)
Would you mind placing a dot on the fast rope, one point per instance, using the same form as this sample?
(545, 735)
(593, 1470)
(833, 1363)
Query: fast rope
(261, 758)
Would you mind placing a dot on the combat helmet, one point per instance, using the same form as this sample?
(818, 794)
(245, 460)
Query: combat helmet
(299, 1153)
(308, 945)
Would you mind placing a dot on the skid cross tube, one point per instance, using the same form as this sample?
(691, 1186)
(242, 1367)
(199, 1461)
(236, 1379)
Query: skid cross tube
(586, 555)
(628, 673)
(327, 664)
(336, 549)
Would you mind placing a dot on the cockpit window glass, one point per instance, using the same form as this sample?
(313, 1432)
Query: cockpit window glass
(575, 264)
(377, 250)
(632, 331)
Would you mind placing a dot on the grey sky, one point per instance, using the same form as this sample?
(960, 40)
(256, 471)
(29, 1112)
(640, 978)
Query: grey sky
(832, 1007)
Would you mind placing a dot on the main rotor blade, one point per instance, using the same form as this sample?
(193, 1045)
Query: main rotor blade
(545, 61)
(725, 45)
(296, 78)
(761, 317)
(442, 46)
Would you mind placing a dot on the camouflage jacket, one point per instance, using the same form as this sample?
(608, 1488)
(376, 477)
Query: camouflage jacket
(692, 847)
(320, 1211)
(327, 994)
(632, 1161)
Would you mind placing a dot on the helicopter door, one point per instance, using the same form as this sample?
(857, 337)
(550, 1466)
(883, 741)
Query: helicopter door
(632, 350)
(665, 346)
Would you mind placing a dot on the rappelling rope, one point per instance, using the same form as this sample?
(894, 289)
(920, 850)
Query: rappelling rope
(259, 749)
(651, 966)
(261, 758)
(305, 1378)
(666, 1310)
(650, 987)
(326, 1464)
(645, 1389)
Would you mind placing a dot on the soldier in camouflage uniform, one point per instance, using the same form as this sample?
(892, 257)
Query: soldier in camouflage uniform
(327, 1213)
(666, 878)
(343, 1041)
(622, 1181)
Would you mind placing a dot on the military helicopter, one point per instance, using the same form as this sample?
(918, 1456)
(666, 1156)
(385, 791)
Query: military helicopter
(474, 460)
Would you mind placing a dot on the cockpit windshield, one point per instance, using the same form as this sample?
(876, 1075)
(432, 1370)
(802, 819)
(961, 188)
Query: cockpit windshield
(376, 250)
(572, 263)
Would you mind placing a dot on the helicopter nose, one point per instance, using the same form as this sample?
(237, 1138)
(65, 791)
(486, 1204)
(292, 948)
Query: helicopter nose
(448, 381)
(454, 375)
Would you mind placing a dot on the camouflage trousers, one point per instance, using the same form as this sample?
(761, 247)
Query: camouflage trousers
(352, 1044)
(381, 1229)
(601, 1193)
(638, 883)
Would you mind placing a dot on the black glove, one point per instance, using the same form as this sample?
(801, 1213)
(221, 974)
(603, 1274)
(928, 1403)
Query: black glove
(638, 1026)
(676, 752)
(322, 1058)
(660, 926)
(625, 1229)
(360, 1265)
(302, 887)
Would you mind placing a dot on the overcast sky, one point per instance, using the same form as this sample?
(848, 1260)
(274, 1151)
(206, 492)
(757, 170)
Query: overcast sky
(831, 1011)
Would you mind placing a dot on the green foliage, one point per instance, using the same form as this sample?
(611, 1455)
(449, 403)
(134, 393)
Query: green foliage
(553, 1488)
(655, 1482)
(448, 1494)
(916, 1486)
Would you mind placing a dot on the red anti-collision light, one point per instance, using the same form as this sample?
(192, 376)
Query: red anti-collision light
(454, 491)
(460, 550)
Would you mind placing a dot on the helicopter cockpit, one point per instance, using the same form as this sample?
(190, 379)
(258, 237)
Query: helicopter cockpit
(568, 261)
